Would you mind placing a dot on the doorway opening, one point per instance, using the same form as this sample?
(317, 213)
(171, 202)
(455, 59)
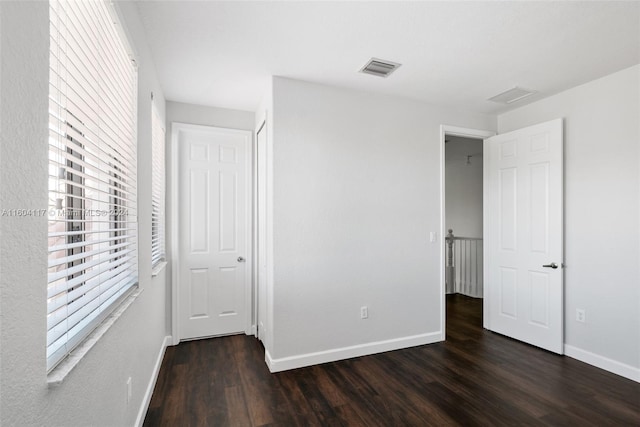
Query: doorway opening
(522, 225)
(463, 222)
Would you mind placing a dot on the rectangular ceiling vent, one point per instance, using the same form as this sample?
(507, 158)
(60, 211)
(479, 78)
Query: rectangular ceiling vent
(379, 67)
(512, 95)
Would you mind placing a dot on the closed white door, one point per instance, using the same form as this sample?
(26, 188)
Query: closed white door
(261, 149)
(524, 236)
(213, 231)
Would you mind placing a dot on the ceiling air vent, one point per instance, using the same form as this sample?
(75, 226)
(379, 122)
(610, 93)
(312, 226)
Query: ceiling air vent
(379, 67)
(512, 95)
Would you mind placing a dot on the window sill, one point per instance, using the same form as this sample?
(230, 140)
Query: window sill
(60, 372)
(158, 268)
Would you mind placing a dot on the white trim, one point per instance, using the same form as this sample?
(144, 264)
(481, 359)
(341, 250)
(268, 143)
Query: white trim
(158, 268)
(254, 211)
(486, 301)
(60, 372)
(144, 406)
(264, 330)
(602, 362)
(248, 224)
(466, 133)
(176, 127)
(309, 359)
(174, 247)
(269, 196)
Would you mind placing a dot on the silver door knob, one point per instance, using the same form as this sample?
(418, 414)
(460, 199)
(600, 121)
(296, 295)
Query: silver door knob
(552, 265)
(240, 259)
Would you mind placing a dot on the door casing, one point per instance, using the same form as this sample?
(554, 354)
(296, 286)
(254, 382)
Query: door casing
(261, 252)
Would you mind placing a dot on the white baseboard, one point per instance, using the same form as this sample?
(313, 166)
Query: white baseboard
(602, 362)
(152, 382)
(293, 362)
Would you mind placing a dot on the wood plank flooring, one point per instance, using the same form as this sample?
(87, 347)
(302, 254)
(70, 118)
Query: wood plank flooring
(475, 378)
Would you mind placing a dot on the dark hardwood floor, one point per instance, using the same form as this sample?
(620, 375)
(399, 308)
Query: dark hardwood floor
(475, 378)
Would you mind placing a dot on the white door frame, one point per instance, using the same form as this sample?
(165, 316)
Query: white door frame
(176, 127)
(256, 271)
(466, 133)
(267, 337)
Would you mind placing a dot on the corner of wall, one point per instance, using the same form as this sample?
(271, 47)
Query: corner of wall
(602, 187)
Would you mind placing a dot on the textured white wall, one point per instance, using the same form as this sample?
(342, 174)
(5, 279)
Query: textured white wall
(24, 42)
(94, 393)
(602, 233)
(356, 193)
(463, 186)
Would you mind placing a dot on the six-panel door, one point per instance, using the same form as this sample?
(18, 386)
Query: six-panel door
(212, 231)
(525, 234)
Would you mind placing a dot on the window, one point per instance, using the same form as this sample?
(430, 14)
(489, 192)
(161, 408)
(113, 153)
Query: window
(92, 173)
(157, 190)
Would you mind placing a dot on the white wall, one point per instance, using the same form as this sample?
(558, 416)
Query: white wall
(94, 393)
(602, 232)
(356, 193)
(463, 186)
(209, 116)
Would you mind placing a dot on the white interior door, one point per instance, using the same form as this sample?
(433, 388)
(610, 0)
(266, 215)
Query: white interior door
(213, 229)
(261, 149)
(524, 236)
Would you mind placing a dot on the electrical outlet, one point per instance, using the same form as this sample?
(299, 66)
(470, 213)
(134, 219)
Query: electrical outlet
(581, 315)
(433, 236)
(128, 390)
(364, 312)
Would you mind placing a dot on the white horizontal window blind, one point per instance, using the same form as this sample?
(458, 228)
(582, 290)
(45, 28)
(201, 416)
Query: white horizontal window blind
(92, 172)
(158, 189)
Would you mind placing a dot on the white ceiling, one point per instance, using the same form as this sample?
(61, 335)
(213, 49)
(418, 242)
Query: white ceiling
(453, 54)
